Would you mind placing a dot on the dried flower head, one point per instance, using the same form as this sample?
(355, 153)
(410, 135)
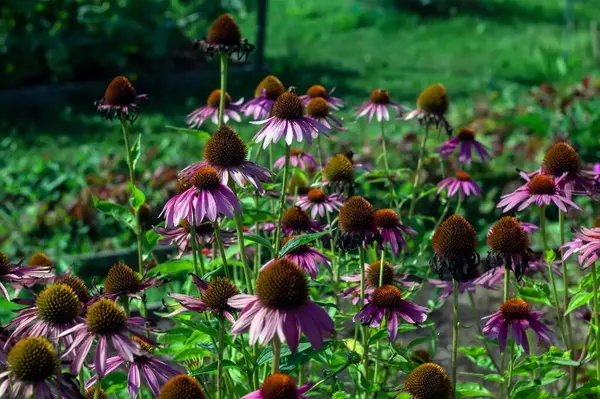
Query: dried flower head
(561, 158)
(357, 223)
(508, 244)
(218, 293)
(224, 37)
(78, 287)
(295, 219)
(120, 99)
(455, 248)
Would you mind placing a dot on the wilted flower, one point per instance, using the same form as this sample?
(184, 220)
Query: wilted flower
(508, 243)
(18, 275)
(466, 139)
(277, 386)
(320, 203)
(432, 105)
(264, 98)
(318, 91)
(515, 312)
(540, 189)
(120, 99)
(378, 103)
(196, 118)
(121, 281)
(304, 256)
(428, 381)
(182, 386)
(298, 158)
(224, 37)
(391, 230)
(281, 306)
(318, 110)
(357, 224)
(372, 274)
(461, 183)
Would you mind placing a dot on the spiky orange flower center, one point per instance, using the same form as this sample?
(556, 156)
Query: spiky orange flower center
(541, 185)
(91, 392)
(224, 31)
(462, 176)
(380, 96)
(317, 108)
(296, 219)
(218, 293)
(288, 106)
(386, 218)
(561, 158)
(454, 238)
(214, 99)
(515, 309)
(279, 386)
(105, 317)
(339, 169)
(316, 196)
(357, 215)
(466, 134)
(225, 148)
(40, 259)
(387, 296)
(508, 237)
(272, 86)
(121, 279)
(120, 92)
(33, 359)
(316, 91)
(183, 185)
(428, 381)
(78, 287)
(282, 285)
(182, 387)
(374, 271)
(206, 178)
(434, 100)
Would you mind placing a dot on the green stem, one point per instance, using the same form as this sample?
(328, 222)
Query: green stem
(320, 151)
(455, 325)
(572, 370)
(98, 389)
(381, 264)
(282, 201)
(224, 58)
(221, 248)
(240, 236)
(125, 303)
(220, 358)
(503, 356)
(276, 354)
(330, 376)
(194, 246)
(417, 173)
(596, 321)
(365, 336)
(511, 364)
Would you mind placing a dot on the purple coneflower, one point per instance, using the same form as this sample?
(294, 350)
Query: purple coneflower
(386, 301)
(288, 120)
(432, 105)
(281, 306)
(515, 312)
(181, 236)
(298, 159)
(182, 386)
(320, 203)
(428, 381)
(339, 173)
(378, 103)
(227, 153)
(214, 297)
(146, 367)
(277, 386)
(205, 199)
(196, 118)
(295, 220)
(540, 189)
(224, 37)
(16, 274)
(265, 96)
(33, 370)
(318, 110)
(304, 256)
(586, 244)
(106, 321)
(120, 99)
(466, 139)
(372, 274)
(392, 230)
(461, 183)
(509, 246)
(121, 281)
(455, 249)
(357, 224)
(318, 91)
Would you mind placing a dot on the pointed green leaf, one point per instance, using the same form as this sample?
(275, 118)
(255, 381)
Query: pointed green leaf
(580, 299)
(300, 240)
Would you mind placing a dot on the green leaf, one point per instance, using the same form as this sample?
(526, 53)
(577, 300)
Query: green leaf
(259, 240)
(300, 240)
(121, 214)
(340, 395)
(199, 134)
(173, 267)
(212, 368)
(549, 256)
(137, 199)
(472, 390)
(535, 292)
(377, 336)
(150, 240)
(580, 299)
(136, 151)
(479, 356)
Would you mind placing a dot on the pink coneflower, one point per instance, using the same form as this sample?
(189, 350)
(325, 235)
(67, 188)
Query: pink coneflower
(122, 281)
(586, 244)
(196, 118)
(318, 110)
(515, 312)
(462, 184)
(298, 159)
(540, 189)
(386, 301)
(378, 103)
(120, 99)
(265, 96)
(18, 275)
(320, 203)
(214, 297)
(304, 256)
(205, 199)
(146, 367)
(466, 139)
(372, 274)
(288, 120)
(277, 386)
(432, 105)
(509, 246)
(318, 91)
(357, 224)
(392, 230)
(181, 236)
(295, 220)
(281, 306)
(33, 370)
(227, 153)
(106, 321)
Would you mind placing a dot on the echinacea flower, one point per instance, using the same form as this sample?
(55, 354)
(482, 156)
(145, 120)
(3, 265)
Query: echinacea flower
(357, 224)
(279, 386)
(466, 139)
(40, 259)
(304, 256)
(392, 230)
(378, 104)
(295, 220)
(281, 306)
(432, 105)
(181, 236)
(509, 246)
(461, 184)
(540, 190)
(320, 203)
(122, 280)
(206, 199)
(288, 121)
(265, 96)
(146, 367)
(455, 249)
(214, 297)
(586, 244)
(428, 381)
(106, 321)
(562, 162)
(386, 301)
(515, 313)
(77, 285)
(120, 99)
(33, 370)
(339, 173)
(318, 91)
(298, 159)
(182, 386)
(224, 37)
(372, 274)
(227, 153)
(196, 118)
(318, 110)
(18, 275)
